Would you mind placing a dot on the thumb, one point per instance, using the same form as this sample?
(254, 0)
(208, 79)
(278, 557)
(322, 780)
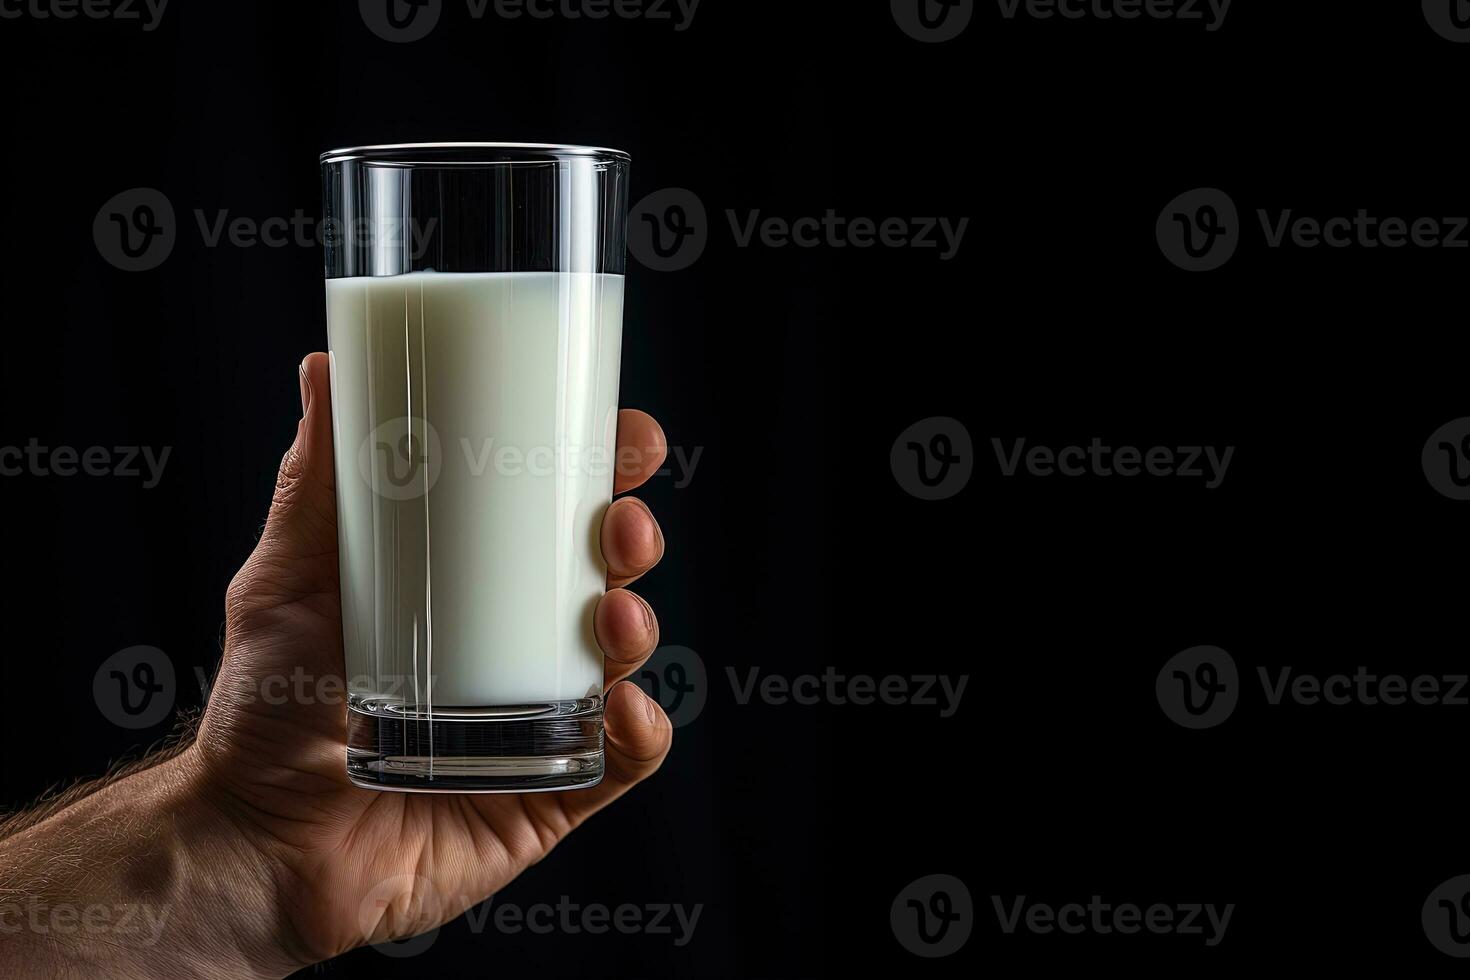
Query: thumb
(296, 557)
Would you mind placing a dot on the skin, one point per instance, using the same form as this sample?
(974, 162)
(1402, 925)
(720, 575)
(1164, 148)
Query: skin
(250, 846)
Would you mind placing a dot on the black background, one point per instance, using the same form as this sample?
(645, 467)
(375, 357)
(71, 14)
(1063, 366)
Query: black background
(793, 370)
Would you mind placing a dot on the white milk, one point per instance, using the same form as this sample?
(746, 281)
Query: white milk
(475, 420)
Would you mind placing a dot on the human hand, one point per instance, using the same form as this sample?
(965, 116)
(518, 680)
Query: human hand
(277, 770)
(253, 837)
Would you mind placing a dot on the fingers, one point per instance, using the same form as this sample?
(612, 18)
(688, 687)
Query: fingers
(627, 631)
(637, 738)
(632, 542)
(302, 520)
(316, 415)
(642, 449)
(296, 555)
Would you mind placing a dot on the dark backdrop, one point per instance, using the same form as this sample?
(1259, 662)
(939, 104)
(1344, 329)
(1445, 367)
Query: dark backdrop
(793, 370)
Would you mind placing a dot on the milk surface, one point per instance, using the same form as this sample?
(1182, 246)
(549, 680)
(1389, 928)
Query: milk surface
(475, 421)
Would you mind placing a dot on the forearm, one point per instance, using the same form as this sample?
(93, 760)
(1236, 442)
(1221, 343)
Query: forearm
(139, 879)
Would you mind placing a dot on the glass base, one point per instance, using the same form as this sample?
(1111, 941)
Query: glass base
(525, 748)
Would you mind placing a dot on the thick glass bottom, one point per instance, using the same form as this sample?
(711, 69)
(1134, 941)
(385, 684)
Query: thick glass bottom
(393, 745)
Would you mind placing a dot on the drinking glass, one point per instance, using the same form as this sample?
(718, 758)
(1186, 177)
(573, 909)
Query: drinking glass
(474, 310)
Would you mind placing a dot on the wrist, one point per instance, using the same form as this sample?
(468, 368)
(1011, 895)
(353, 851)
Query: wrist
(144, 877)
(228, 886)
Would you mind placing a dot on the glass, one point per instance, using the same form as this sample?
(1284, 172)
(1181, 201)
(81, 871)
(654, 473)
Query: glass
(474, 312)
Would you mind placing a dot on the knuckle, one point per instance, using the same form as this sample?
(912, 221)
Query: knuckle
(288, 477)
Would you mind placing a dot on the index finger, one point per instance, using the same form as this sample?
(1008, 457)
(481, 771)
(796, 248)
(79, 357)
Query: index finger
(642, 449)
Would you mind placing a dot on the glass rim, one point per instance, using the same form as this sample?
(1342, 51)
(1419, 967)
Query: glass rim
(470, 154)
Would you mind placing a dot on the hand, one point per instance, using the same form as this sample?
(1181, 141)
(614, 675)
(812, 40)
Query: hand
(267, 857)
(278, 771)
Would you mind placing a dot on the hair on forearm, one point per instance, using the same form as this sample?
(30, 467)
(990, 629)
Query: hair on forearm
(53, 801)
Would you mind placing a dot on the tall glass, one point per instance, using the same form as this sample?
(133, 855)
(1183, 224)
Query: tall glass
(474, 312)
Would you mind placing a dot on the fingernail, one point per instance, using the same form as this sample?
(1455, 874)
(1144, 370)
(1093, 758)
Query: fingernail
(650, 622)
(305, 388)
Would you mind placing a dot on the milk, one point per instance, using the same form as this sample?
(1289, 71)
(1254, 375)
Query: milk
(475, 421)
